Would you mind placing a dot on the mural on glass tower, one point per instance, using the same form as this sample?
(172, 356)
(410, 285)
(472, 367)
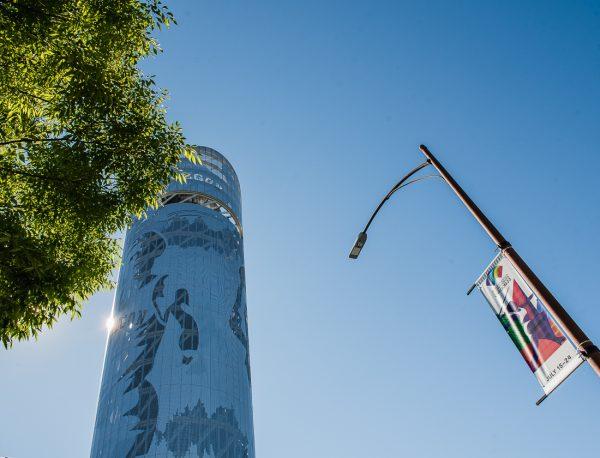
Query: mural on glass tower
(176, 381)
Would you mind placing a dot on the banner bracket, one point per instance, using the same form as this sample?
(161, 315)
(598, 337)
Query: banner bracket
(504, 245)
(587, 347)
(540, 400)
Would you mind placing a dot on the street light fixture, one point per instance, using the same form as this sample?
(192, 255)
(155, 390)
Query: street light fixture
(360, 242)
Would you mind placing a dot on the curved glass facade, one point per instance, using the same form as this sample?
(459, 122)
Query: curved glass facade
(176, 380)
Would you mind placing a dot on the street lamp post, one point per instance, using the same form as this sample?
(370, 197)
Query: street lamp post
(571, 328)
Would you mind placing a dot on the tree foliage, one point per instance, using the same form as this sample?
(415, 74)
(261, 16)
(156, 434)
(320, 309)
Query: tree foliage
(84, 144)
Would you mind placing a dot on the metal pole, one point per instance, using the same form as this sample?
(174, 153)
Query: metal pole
(572, 329)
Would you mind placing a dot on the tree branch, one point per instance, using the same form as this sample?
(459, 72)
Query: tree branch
(30, 94)
(33, 140)
(37, 175)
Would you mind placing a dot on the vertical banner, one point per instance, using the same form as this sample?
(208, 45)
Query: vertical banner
(548, 353)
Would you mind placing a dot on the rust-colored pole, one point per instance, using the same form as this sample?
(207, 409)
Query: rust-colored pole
(579, 338)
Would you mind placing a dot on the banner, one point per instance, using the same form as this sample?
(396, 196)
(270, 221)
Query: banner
(546, 350)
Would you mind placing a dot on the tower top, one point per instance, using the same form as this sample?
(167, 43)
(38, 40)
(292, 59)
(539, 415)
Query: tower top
(213, 183)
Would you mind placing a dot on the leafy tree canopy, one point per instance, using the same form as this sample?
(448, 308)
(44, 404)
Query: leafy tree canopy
(84, 144)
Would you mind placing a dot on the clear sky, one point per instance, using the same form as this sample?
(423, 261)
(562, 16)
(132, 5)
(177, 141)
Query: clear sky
(320, 106)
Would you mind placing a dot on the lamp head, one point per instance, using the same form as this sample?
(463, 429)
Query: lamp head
(358, 245)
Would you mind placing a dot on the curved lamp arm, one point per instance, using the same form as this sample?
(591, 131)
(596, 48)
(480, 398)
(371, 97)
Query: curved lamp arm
(362, 236)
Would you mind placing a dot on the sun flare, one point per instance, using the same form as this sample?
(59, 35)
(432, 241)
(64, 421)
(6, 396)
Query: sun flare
(110, 323)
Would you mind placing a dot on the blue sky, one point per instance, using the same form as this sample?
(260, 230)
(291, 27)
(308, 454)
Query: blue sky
(320, 107)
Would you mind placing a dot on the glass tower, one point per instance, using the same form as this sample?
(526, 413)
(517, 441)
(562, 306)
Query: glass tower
(176, 379)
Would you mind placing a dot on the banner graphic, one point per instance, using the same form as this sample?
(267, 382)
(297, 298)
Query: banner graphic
(546, 350)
